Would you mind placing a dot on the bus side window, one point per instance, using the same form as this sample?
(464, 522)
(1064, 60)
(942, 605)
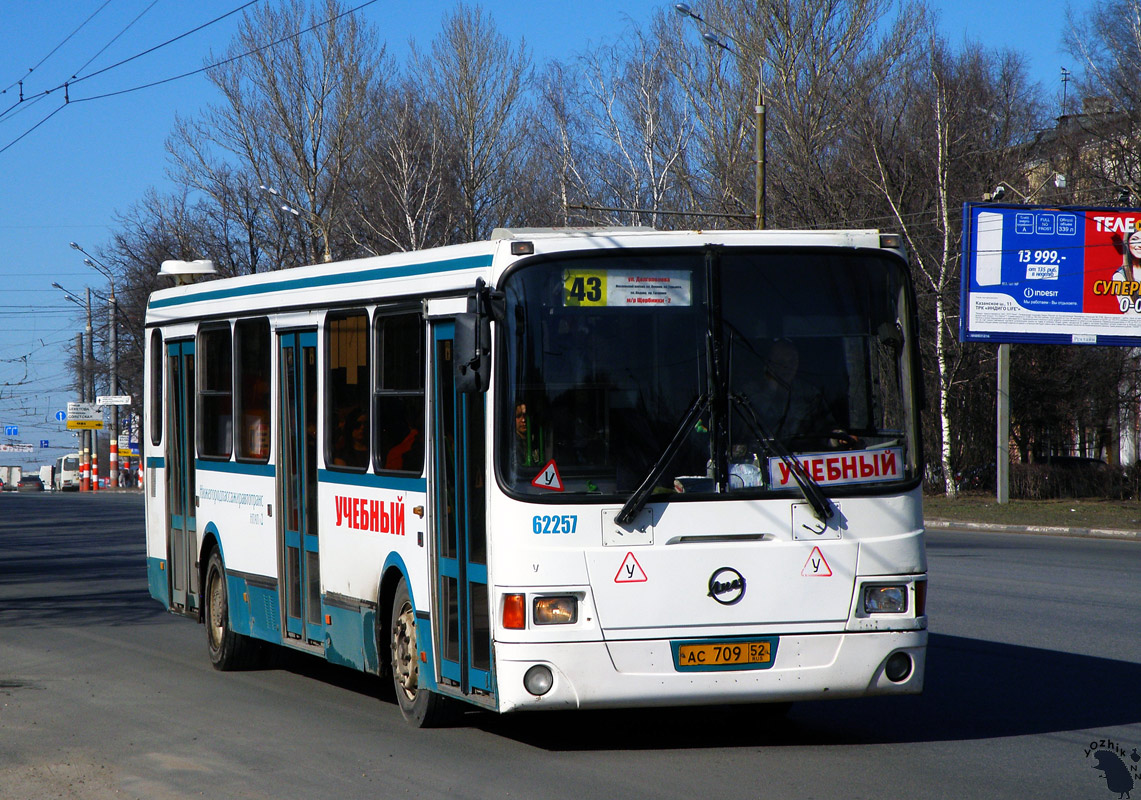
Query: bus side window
(347, 390)
(157, 364)
(252, 351)
(399, 397)
(215, 393)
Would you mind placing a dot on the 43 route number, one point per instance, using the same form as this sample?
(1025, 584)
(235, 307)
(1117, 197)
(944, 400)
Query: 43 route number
(584, 288)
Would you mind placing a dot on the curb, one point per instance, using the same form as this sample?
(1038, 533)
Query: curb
(1038, 530)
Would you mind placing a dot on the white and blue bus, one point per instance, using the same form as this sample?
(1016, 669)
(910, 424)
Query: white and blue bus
(65, 477)
(554, 470)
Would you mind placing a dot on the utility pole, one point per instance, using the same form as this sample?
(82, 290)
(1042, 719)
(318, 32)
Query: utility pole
(760, 176)
(93, 440)
(81, 393)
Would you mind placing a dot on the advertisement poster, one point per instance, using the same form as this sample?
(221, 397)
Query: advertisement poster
(1051, 275)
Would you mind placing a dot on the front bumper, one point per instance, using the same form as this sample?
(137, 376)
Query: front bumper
(642, 673)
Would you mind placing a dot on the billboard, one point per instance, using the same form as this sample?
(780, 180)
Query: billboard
(1051, 275)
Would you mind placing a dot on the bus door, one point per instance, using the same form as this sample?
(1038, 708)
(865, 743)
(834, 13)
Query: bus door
(463, 627)
(182, 544)
(297, 487)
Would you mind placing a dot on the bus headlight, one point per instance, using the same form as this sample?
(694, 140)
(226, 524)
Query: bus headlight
(560, 610)
(885, 599)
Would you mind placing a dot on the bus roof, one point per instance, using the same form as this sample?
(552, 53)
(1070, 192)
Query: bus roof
(449, 269)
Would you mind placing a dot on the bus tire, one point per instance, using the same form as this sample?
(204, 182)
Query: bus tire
(419, 706)
(228, 650)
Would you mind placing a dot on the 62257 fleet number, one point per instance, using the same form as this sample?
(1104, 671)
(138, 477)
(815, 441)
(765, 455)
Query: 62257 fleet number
(543, 523)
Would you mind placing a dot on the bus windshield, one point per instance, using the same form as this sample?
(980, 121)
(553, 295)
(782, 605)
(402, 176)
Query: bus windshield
(700, 367)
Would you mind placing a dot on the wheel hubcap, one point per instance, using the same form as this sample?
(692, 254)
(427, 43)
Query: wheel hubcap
(215, 598)
(405, 668)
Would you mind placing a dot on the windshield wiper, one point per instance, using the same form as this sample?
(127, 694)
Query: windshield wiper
(641, 495)
(808, 487)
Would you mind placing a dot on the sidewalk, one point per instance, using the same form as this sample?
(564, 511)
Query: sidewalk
(1040, 530)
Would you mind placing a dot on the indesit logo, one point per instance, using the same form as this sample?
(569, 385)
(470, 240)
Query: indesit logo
(727, 586)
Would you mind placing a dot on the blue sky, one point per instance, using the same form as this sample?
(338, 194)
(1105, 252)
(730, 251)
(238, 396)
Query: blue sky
(69, 174)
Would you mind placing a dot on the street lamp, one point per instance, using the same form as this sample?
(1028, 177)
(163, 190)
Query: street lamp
(717, 38)
(1000, 190)
(112, 306)
(86, 386)
(311, 218)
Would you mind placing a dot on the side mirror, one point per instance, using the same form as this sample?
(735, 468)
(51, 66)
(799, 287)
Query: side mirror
(471, 353)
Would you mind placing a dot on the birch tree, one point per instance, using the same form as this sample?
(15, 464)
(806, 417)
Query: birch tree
(938, 135)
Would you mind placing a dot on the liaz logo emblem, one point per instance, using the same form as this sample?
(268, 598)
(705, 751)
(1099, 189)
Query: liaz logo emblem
(727, 586)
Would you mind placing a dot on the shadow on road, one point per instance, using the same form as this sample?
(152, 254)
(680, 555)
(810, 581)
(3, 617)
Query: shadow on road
(974, 690)
(71, 559)
(50, 575)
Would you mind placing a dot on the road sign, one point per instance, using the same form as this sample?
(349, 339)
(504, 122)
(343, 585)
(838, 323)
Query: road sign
(11, 430)
(84, 411)
(44, 444)
(60, 416)
(85, 424)
(113, 400)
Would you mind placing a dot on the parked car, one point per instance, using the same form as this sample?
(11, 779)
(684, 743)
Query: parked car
(30, 483)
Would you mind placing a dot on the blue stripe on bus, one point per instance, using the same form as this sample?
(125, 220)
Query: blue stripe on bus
(156, 462)
(337, 279)
(345, 636)
(156, 580)
(236, 468)
(373, 481)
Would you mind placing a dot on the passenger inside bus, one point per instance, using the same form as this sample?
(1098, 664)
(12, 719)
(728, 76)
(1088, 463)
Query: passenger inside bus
(528, 439)
(350, 446)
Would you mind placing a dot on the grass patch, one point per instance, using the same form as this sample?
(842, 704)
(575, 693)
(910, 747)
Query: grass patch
(1072, 513)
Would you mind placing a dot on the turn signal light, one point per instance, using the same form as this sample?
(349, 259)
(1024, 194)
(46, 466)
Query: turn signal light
(515, 611)
(920, 598)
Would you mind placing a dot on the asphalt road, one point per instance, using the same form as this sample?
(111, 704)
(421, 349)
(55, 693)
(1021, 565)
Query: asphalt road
(1034, 654)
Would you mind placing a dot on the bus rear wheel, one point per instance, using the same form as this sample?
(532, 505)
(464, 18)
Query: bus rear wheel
(419, 706)
(228, 650)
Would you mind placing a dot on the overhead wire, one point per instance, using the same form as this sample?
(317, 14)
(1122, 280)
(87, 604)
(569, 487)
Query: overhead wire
(67, 38)
(9, 112)
(163, 44)
(113, 39)
(67, 84)
(230, 60)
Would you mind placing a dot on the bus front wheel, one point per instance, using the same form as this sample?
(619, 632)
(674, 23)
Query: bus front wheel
(228, 650)
(421, 707)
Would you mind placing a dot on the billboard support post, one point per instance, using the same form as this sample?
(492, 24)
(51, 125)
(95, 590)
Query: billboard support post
(1002, 457)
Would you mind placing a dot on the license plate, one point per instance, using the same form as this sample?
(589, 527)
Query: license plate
(728, 654)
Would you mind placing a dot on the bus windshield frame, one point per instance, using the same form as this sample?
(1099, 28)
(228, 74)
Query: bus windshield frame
(616, 369)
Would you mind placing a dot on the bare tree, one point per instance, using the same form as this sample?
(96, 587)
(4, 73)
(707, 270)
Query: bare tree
(477, 80)
(1102, 142)
(720, 85)
(293, 117)
(401, 198)
(639, 126)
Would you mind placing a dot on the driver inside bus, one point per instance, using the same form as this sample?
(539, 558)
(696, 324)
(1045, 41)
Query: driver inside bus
(788, 406)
